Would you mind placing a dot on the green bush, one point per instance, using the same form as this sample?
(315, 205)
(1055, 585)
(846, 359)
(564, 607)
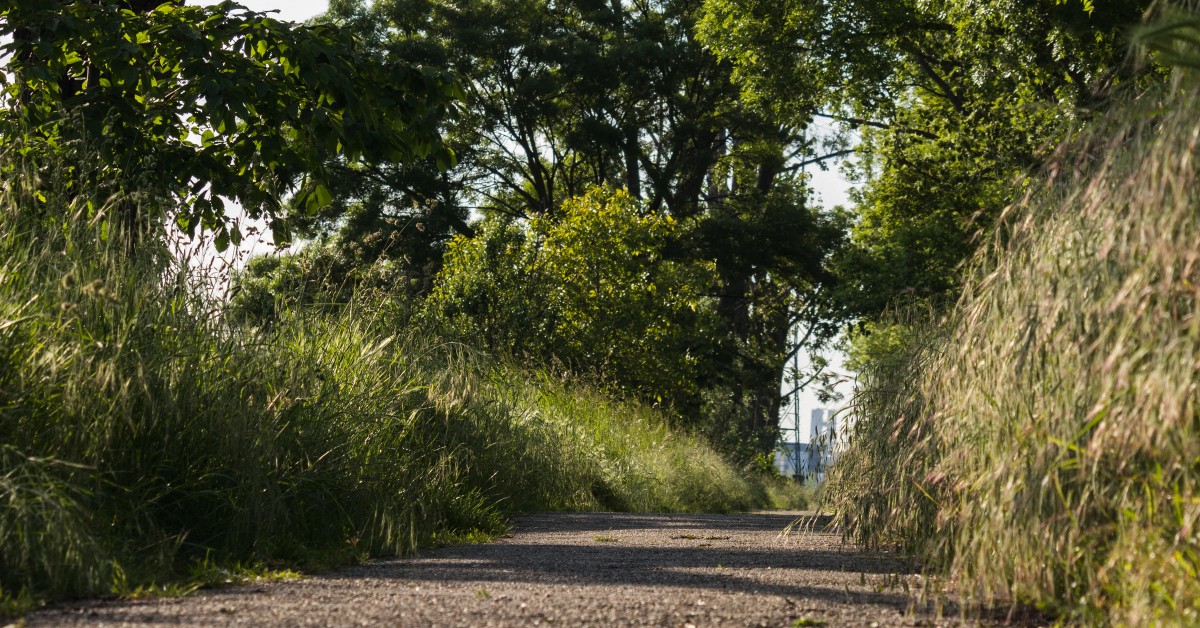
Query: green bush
(590, 288)
(320, 276)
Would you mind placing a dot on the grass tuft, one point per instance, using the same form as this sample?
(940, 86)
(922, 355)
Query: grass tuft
(1041, 444)
(151, 445)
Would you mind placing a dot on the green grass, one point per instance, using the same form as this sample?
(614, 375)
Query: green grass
(150, 446)
(1041, 444)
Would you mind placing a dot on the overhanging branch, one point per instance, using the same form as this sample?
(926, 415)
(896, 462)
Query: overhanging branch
(875, 124)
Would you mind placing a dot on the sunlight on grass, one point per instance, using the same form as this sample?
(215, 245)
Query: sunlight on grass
(153, 447)
(1039, 444)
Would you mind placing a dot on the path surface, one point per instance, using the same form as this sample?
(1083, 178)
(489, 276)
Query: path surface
(593, 569)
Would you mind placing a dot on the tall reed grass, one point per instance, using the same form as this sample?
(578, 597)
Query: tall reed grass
(142, 433)
(1041, 445)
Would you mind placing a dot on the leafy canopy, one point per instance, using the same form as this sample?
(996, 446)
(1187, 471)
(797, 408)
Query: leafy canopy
(204, 103)
(563, 96)
(951, 101)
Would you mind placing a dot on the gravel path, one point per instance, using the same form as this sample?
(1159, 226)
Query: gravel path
(567, 569)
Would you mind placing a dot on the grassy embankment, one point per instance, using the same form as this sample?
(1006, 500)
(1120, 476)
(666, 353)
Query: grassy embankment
(145, 441)
(1041, 446)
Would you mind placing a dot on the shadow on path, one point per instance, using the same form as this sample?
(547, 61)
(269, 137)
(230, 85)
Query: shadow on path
(685, 551)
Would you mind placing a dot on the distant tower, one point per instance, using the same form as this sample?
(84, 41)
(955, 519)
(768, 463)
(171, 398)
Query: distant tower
(818, 424)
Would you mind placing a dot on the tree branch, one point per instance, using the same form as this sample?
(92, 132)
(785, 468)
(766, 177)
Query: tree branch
(875, 124)
(820, 159)
(926, 64)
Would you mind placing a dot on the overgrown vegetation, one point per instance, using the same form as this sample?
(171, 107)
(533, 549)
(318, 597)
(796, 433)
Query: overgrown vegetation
(1039, 445)
(562, 98)
(608, 192)
(150, 432)
(142, 433)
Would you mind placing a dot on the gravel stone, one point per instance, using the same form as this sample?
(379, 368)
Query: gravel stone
(575, 569)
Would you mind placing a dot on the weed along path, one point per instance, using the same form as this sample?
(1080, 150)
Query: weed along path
(571, 569)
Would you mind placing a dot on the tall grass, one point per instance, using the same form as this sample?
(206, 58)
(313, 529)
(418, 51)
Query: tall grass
(141, 433)
(1042, 444)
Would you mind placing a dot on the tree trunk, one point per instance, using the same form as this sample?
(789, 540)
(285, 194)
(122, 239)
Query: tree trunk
(633, 156)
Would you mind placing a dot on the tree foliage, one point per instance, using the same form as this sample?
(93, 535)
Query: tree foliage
(565, 96)
(951, 101)
(591, 289)
(201, 104)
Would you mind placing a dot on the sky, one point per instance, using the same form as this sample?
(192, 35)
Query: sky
(294, 10)
(830, 186)
(831, 189)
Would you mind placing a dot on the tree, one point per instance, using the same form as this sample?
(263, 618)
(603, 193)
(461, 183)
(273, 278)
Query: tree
(202, 104)
(564, 96)
(952, 101)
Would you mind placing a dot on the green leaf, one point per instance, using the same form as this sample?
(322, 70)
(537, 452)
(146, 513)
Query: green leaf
(222, 240)
(317, 199)
(279, 233)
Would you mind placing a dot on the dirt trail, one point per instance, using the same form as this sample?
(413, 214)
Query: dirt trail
(566, 569)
